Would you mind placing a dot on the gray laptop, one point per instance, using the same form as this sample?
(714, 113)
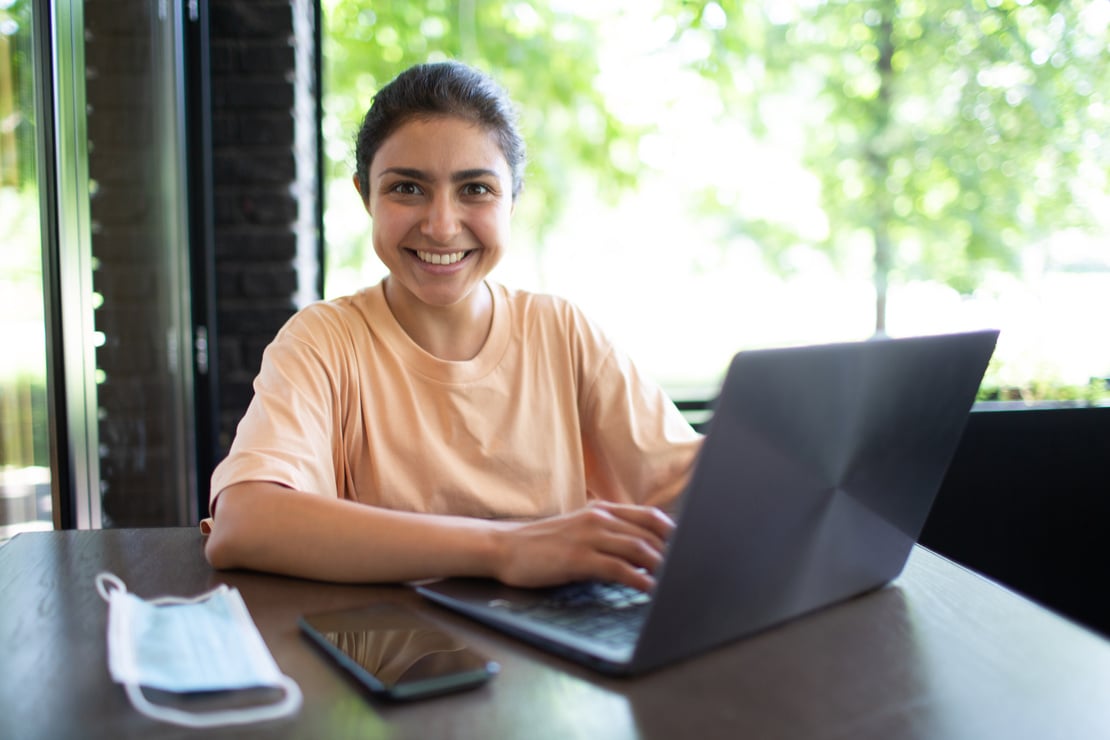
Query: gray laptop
(814, 481)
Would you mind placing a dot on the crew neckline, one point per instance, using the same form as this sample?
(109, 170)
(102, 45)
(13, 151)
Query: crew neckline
(423, 362)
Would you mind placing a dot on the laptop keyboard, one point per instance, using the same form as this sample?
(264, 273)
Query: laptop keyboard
(609, 612)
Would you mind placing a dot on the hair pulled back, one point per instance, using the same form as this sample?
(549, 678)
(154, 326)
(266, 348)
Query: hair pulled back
(440, 89)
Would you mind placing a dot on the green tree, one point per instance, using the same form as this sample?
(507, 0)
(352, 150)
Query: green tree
(946, 136)
(546, 60)
(17, 149)
(949, 135)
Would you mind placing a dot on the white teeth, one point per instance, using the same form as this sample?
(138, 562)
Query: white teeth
(436, 258)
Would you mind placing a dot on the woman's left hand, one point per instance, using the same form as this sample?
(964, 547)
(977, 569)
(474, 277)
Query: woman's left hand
(605, 541)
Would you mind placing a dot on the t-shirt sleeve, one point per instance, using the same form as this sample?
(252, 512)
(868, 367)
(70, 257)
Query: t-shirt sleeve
(638, 446)
(290, 431)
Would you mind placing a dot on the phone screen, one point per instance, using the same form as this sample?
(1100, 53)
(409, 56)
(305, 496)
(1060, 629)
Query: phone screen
(394, 652)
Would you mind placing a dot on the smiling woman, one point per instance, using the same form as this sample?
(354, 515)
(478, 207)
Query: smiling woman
(438, 423)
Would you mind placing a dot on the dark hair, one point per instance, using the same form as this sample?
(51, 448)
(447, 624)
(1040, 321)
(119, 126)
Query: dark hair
(439, 89)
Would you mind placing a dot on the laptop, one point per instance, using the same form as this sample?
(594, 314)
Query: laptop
(818, 470)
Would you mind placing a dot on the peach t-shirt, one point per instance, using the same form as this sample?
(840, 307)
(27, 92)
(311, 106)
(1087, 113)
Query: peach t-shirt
(546, 417)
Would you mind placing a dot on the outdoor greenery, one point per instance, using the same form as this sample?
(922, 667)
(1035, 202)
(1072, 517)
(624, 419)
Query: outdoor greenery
(545, 58)
(23, 408)
(1094, 393)
(17, 152)
(948, 134)
(945, 136)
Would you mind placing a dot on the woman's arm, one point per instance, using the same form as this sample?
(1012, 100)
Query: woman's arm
(265, 526)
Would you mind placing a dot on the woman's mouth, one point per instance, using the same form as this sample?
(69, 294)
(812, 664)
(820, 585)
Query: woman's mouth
(440, 258)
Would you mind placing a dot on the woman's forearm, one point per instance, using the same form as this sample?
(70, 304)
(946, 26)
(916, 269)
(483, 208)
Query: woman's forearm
(264, 526)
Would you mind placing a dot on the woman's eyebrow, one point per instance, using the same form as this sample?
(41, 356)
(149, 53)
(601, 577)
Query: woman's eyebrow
(408, 172)
(473, 174)
(415, 174)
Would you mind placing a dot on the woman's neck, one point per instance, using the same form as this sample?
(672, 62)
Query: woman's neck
(456, 332)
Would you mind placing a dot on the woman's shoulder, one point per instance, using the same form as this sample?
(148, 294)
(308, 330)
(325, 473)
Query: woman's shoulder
(331, 326)
(535, 314)
(335, 313)
(543, 306)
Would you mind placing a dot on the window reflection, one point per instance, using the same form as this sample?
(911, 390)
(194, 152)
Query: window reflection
(139, 244)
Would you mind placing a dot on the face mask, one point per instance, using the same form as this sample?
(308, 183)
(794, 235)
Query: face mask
(208, 643)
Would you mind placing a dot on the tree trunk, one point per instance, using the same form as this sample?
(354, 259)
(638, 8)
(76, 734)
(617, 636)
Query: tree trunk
(879, 161)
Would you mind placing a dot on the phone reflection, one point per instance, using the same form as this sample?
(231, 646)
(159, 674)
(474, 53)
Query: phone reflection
(396, 656)
(397, 647)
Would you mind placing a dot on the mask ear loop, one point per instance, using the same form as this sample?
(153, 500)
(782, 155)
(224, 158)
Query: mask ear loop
(106, 580)
(105, 584)
(220, 718)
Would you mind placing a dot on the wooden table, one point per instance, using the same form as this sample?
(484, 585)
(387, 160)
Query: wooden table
(941, 653)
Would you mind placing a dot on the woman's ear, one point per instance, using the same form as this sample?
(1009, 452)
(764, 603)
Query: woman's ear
(365, 197)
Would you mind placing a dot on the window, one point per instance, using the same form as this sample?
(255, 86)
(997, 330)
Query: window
(94, 268)
(711, 176)
(25, 501)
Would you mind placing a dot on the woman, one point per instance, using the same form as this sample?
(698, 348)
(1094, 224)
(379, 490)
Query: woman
(439, 424)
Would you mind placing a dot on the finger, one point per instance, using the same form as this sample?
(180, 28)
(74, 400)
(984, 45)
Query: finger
(599, 524)
(648, 518)
(635, 551)
(615, 570)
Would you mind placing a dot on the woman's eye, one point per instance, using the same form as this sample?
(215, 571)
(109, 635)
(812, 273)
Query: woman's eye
(406, 188)
(477, 188)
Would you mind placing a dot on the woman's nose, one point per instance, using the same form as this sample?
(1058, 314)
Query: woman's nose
(441, 222)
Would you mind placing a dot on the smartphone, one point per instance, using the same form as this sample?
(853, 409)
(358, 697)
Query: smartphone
(396, 653)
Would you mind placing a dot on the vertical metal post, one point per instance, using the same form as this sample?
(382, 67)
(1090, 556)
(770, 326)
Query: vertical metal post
(75, 263)
(174, 166)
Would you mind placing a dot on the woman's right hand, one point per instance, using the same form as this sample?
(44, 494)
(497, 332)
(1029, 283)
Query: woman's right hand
(604, 541)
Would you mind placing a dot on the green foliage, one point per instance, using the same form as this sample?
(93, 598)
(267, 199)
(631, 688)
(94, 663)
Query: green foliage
(950, 133)
(945, 136)
(24, 427)
(546, 60)
(17, 140)
(1096, 392)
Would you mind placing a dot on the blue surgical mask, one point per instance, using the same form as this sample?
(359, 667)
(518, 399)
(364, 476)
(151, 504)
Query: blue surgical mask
(206, 643)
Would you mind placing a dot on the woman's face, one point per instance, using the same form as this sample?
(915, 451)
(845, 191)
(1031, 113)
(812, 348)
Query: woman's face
(440, 197)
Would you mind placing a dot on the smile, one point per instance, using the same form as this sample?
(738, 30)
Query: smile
(437, 258)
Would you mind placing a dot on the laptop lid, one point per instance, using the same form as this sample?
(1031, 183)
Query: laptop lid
(814, 481)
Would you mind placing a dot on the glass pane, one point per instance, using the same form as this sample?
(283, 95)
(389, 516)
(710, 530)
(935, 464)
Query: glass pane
(140, 277)
(25, 502)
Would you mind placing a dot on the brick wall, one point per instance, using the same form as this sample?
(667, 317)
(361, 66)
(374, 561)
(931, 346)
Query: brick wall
(252, 63)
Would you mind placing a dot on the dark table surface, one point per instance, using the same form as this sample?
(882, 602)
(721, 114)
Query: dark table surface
(940, 653)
